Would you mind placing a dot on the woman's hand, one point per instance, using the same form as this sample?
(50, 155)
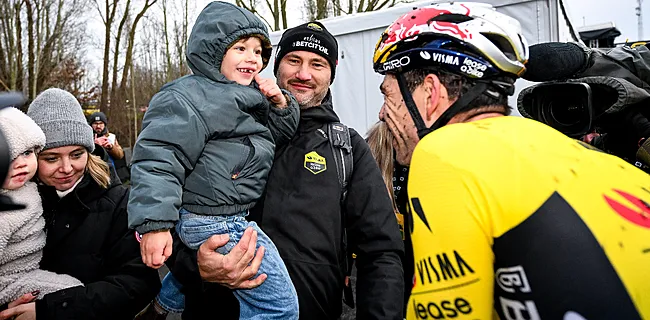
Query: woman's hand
(25, 311)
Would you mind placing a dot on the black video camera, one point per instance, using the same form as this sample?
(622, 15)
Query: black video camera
(599, 96)
(574, 108)
(602, 106)
(8, 99)
(567, 107)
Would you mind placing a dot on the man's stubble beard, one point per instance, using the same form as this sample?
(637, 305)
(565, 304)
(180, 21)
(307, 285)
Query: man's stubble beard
(315, 101)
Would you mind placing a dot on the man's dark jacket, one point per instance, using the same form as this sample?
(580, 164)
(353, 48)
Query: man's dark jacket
(301, 213)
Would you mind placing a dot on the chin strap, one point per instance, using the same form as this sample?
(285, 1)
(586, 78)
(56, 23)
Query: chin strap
(411, 107)
(459, 105)
(455, 108)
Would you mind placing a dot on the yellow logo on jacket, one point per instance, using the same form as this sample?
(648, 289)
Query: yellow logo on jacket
(315, 163)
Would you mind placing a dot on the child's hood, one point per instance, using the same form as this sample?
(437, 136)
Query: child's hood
(21, 132)
(217, 26)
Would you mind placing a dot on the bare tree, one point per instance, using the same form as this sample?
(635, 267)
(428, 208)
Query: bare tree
(277, 8)
(116, 55)
(11, 59)
(362, 6)
(108, 17)
(17, 80)
(317, 9)
(321, 9)
(129, 50)
(49, 46)
(181, 40)
(31, 55)
(168, 54)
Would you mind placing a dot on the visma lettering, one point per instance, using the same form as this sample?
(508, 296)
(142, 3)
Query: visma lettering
(442, 268)
(443, 58)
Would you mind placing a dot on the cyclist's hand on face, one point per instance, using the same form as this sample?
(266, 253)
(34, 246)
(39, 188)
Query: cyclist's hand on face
(401, 125)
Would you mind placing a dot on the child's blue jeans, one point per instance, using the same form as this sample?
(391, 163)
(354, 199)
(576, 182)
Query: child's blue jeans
(170, 296)
(276, 298)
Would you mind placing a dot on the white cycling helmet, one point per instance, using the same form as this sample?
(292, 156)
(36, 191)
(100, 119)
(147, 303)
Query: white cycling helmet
(448, 34)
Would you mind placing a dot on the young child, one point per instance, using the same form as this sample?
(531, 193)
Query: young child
(205, 151)
(22, 236)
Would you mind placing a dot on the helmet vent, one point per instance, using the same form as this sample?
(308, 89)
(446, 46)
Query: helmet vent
(451, 17)
(503, 44)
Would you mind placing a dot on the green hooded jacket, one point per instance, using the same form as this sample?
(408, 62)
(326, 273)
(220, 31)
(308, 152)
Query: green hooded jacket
(207, 143)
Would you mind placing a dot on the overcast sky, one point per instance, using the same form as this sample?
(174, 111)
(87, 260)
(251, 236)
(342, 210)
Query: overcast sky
(621, 12)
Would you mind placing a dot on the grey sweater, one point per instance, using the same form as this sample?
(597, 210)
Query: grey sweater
(21, 248)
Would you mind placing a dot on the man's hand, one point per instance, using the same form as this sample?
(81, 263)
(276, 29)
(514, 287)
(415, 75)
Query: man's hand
(405, 134)
(104, 142)
(21, 312)
(271, 91)
(235, 269)
(155, 248)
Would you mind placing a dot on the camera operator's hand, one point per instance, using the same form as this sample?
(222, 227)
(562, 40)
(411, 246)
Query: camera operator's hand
(640, 126)
(624, 133)
(639, 123)
(589, 138)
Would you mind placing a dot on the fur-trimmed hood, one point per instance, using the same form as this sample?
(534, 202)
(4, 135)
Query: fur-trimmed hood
(21, 132)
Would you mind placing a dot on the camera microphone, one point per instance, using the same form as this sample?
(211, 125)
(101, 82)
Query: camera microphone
(551, 61)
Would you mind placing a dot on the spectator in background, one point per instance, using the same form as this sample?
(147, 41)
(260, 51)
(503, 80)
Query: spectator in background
(104, 138)
(393, 158)
(108, 141)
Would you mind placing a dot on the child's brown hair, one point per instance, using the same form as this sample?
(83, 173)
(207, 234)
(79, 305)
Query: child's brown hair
(267, 47)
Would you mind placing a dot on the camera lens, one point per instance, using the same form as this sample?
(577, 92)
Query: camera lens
(563, 106)
(569, 115)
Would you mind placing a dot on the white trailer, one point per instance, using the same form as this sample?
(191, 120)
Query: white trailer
(355, 90)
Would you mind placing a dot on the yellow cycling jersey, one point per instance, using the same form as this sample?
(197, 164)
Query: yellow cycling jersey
(512, 220)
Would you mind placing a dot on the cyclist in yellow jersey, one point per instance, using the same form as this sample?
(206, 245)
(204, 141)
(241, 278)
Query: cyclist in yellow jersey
(509, 219)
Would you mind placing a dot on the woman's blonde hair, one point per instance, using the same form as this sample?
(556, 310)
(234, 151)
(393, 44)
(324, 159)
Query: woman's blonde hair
(380, 140)
(98, 170)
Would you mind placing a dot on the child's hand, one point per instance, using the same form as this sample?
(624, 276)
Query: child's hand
(271, 91)
(155, 248)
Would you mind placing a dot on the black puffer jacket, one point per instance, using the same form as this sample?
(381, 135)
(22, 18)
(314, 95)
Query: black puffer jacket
(302, 214)
(88, 238)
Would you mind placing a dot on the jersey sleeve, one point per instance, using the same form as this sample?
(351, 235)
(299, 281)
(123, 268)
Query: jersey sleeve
(451, 232)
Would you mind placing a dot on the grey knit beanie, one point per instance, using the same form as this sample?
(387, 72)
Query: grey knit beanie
(20, 131)
(60, 116)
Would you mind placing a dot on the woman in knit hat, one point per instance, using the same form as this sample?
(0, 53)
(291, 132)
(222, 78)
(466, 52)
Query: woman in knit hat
(86, 223)
(22, 237)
